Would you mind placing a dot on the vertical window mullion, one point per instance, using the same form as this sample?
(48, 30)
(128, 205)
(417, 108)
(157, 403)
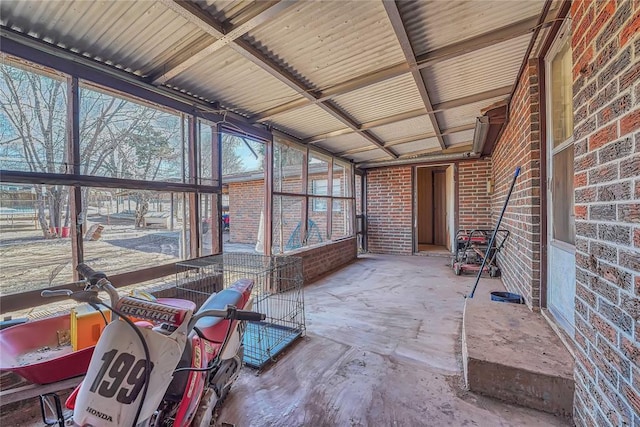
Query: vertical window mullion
(305, 204)
(73, 167)
(194, 205)
(330, 199)
(268, 194)
(216, 160)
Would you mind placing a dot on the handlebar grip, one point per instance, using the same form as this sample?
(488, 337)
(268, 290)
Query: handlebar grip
(56, 293)
(249, 315)
(89, 273)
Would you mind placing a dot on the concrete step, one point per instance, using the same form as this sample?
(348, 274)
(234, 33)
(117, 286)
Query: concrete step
(512, 354)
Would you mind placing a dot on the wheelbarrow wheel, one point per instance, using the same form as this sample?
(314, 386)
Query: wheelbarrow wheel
(456, 269)
(494, 271)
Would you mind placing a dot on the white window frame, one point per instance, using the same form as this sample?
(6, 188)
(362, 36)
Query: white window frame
(564, 36)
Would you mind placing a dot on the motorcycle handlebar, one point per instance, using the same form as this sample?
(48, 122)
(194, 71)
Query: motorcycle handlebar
(57, 293)
(251, 316)
(90, 296)
(230, 312)
(89, 273)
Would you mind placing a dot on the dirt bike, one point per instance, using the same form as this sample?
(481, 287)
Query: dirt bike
(157, 363)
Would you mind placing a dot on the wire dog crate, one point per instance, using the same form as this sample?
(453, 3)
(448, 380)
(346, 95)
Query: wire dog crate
(277, 292)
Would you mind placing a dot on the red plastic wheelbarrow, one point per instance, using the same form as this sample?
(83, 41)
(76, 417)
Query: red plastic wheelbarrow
(32, 350)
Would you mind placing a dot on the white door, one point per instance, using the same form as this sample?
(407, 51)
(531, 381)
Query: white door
(561, 262)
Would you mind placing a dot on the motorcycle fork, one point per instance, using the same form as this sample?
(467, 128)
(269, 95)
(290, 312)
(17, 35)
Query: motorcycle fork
(51, 410)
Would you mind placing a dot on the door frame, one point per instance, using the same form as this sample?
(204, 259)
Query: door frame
(451, 209)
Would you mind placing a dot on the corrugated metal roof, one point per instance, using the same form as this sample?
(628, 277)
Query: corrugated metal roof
(307, 122)
(458, 137)
(392, 96)
(466, 114)
(434, 24)
(325, 43)
(225, 10)
(138, 36)
(235, 82)
(321, 43)
(345, 142)
(485, 69)
(411, 127)
(366, 156)
(416, 146)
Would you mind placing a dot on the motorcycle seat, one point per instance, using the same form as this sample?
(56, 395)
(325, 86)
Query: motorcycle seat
(215, 328)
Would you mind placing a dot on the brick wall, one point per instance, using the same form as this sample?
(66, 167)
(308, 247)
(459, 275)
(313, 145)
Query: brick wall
(606, 52)
(474, 207)
(389, 210)
(326, 257)
(246, 200)
(519, 145)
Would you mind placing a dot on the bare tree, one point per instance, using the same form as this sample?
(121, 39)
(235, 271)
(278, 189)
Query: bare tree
(34, 109)
(118, 138)
(231, 161)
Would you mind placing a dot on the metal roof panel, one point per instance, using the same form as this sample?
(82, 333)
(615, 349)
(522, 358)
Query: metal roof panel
(235, 82)
(417, 146)
(325, 43)
(459, 138)
(345, 142)
(406, 128)
(366, 156)
(464, 115)
(137, 36)
(380, 100)
(307, 122)
(482, 70)
(225, 10)
(435, 24)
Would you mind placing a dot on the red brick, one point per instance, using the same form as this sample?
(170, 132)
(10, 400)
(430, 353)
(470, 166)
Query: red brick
(603, 136)
(390, 193)
(605, 13)
(604, 328)
(629, 123)
(588, 365)
(630, 349)
(630, 77)
(577, 9)
(580, 179)
(630, 30)
(583, 62)
(583, 25)
(633, 397)
(581, 212)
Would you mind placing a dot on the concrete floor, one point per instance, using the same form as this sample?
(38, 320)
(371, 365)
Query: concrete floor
(382, 349)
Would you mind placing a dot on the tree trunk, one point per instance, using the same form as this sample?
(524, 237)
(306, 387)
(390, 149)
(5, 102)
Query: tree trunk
(42, 218)
(142, 207)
